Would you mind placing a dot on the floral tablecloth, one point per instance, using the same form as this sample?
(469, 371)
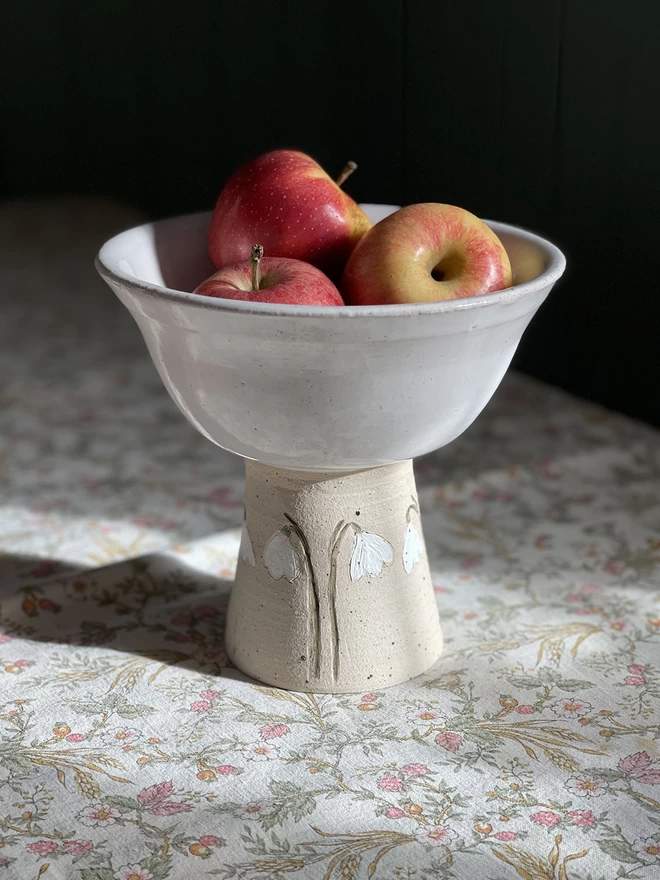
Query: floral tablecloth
(132, 750)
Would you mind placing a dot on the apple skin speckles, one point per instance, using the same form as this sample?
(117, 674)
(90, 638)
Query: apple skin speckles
(286, 202)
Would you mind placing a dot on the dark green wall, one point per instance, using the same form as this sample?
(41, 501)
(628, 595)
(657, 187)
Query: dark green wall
(538, 112)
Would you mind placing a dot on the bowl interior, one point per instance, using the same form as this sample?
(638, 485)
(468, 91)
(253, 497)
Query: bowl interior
(172, 253)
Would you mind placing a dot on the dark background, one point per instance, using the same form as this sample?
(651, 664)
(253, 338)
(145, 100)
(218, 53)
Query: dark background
(539, 113)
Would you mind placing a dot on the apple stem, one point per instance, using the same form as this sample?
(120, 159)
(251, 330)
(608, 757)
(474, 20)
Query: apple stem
(255, 258)
(346, 172)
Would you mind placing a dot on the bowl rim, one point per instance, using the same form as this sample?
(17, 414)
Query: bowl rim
(107, 264)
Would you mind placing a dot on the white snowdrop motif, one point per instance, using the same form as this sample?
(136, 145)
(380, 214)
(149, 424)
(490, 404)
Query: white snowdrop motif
(412, 547)
(369, 554)
(246, 551)
(281, 558)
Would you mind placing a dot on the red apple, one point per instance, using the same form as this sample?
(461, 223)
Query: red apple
(425, 253)
(285, 200)
(272, 280)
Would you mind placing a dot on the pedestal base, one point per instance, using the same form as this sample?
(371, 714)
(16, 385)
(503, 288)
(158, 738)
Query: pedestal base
(333, 592)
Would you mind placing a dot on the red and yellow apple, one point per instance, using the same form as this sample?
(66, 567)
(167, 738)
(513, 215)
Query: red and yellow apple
(272, 280)
(425, 253)
(286, 201)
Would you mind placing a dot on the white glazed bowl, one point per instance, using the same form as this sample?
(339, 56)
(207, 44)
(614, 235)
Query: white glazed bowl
(318, 388)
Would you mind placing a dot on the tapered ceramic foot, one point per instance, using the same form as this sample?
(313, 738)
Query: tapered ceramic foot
(332, 592)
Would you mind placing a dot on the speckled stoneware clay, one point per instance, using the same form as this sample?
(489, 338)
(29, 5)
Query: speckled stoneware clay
(333, 591)
(328, 405)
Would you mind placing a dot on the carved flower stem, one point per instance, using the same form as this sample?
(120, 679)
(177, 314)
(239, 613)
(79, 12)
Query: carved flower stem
(340, 531)
(313, 601)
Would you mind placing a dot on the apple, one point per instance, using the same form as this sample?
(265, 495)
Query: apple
(425, 253)
(272, 280)
(285, 200)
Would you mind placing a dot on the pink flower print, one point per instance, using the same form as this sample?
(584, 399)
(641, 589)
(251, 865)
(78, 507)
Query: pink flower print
(470, 615)
(209, 695)
(585, 818)
(260, 751)
(618, 625)
(121, 736)
(435, 835)
(481, 495)
(471, 562)
(181, 619)
(142, 521)
(586, 786)
(541, 542)
(449, 741)
(169, 808)
(649, 777)
(546, 817)
(525, 710)
(423, 714)
(205, 611)
(4, 638)
(614, 567)
(226, 770)
(155, 800)
(574, 597)
(389, 783)
(571, 708)
(394, 813)
(636, 669)
(506, 835)
(635, 680)
(42, 847)
(44, 569)
(273, 730)
(154, 793)
(223, 497)
(546, 470)
(369, 698)
(78, 847)
(134, 872)
(590, 588)
(639, 767)
(253, 811)
(583, 611)
(634, 764)
(648, 850)
(208, 840)
(98, 814)
(21, 663)
(200, 706)
(75, 737)
(415, 769)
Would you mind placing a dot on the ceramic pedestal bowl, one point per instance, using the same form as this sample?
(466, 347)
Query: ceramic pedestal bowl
(328, 406)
